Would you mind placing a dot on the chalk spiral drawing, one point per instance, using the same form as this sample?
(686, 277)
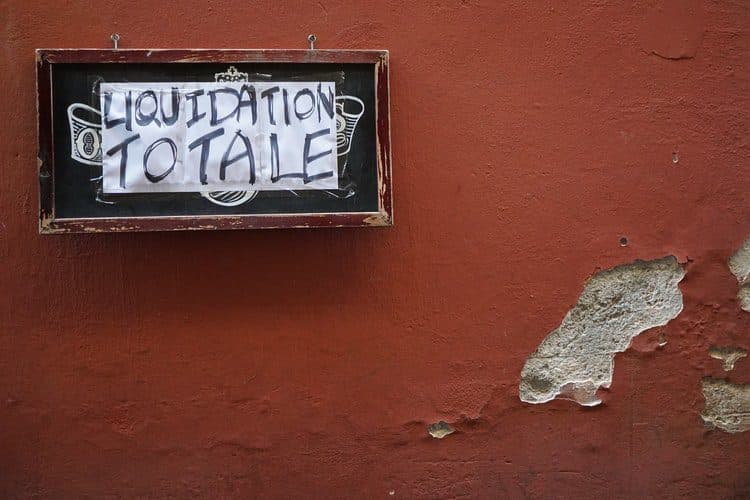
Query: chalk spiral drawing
(85, 136)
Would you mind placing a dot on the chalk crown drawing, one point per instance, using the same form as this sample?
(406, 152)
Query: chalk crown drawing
(231, 75)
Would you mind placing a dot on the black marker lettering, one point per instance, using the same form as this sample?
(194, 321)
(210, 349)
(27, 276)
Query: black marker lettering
(249, 103)
(215, 120)
(127, 119)
(123, 146)
(275, 169)
(286, 106)
(326, 101)
(140, 118)
(309, 112)
(149, 175)
(226, 161)
(193, 96)
(107, 108)
(129, 112)
(307, 158)
(175, 107)
(269, 94)
(205, 143)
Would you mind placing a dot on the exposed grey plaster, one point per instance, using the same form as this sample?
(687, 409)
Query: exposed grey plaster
(617, 304)
(739, 264)
(440, 429)
(729, 355)
(727, 405)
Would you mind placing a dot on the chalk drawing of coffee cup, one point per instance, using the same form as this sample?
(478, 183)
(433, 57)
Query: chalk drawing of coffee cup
(349, 110)
(85, 135)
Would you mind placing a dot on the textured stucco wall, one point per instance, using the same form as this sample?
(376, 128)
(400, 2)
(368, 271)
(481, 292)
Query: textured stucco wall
(528, 139)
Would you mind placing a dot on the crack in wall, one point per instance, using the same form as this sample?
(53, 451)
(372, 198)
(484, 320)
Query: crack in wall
(739, 265)
(727, 405)
(577, 358)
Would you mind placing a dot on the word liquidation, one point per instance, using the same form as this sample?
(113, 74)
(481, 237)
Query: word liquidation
(170, 137)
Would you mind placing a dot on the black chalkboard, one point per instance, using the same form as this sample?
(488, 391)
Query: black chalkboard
(76, 199)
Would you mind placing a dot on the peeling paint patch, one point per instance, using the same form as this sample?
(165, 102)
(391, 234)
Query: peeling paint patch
(739, 265)
(727, 405)
(617, 304)
(673, 29)
(440, 429)
(729, 355)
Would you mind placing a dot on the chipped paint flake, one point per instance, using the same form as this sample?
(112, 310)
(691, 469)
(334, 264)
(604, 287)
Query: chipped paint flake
(617, 304)
(739, 265)
(380, 219)
(727, 405)
(440, 429)
(729, 355)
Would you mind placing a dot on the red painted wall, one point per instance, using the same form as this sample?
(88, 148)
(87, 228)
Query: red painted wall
(527, 139)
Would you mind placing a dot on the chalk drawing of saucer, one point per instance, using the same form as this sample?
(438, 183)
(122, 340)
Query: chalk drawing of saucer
(229, 198)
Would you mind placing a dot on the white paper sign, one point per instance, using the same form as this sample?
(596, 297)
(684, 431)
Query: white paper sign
(198, 137)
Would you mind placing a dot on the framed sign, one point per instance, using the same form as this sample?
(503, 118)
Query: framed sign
(143, 140)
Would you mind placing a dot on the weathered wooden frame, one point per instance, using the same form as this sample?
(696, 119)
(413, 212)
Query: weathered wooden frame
(49, 223)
